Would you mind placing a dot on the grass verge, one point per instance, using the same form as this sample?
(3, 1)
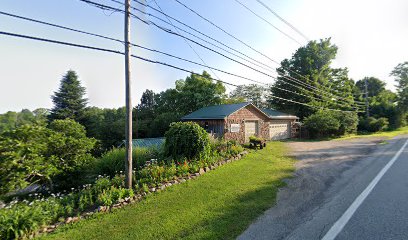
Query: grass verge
(218, 205)
(387, 134)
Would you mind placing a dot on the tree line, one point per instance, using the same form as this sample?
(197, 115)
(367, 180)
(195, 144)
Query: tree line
(322, 87)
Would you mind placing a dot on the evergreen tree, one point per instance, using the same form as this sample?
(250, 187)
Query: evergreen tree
(69, 101)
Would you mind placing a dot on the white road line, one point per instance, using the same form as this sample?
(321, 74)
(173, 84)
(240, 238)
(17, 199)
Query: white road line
(343, 220)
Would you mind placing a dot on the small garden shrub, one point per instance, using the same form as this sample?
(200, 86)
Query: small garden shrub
(187, 140)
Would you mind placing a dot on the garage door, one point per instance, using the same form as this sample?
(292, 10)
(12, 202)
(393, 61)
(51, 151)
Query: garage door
(251, 128)
(279, 131)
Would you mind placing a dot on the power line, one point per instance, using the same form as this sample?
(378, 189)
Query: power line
(169, 31)
(283, 20)
(120, 41)
(311, 106)
(177, 34)
(203, 34)
(140, 58)
(198, 55)
(231, 35)
(106, 50)
(287, 35)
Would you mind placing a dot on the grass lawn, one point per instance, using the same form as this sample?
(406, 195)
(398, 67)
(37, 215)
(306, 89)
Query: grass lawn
(388, 134)
(218, 205)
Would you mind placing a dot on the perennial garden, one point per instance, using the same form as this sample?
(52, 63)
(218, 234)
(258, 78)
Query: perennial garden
(188, 152)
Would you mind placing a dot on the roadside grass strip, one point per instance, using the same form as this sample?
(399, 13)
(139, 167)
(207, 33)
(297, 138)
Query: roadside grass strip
(387, 134)
(218, 205)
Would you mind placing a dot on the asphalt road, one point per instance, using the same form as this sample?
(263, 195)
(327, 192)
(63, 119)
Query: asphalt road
(381, 214)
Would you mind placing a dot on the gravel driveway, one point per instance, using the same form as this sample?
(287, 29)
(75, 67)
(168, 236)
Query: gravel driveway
(320, 165)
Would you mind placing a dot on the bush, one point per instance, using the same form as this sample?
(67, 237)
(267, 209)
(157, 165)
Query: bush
(348, 122)
(113, 161)
(372, 124)
(322, 124)
(36, 154)
(187, 140)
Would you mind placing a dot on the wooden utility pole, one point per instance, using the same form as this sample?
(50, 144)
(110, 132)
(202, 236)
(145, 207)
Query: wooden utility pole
(128, 130)
(366, 98)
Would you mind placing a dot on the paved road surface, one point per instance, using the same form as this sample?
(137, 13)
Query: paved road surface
(383, 214)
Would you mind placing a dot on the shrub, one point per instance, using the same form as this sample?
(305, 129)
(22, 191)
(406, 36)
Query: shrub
(36, 154)
(372, 124)
(255, 139)
(348, 122)
(187, 140)
(68, 146)
(322, 124)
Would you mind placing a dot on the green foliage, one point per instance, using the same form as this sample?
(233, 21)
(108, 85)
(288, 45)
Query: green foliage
(220, 205)
(112, 195)
(25, 217)
(322, 124)
(330, 123)
(313, 62)
(113, 161)
(348, 122)
(11, 120)
(375, 86)
(69, 147)
(21, 218)
(199, 91)
(187, 140)
(69, 101)
(18, 219)
(382, 102)
(157, 110)
(35, 154)
(255, 139)
(400, 73)
(250, 93)
(372, 124)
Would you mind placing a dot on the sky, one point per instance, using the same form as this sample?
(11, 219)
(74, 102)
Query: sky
(371, 35)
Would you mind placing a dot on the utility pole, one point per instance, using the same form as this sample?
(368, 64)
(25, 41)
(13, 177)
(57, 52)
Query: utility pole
(128, 128)
(366, 98)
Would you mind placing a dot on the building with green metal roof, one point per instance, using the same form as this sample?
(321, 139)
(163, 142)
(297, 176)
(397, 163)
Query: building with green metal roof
(240, 121)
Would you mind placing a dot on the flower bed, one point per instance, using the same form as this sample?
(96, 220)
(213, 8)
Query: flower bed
(35, 215)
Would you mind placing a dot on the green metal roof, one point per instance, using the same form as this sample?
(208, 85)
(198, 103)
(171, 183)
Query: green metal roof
(272, 113)
(215, 112)
(145, 142)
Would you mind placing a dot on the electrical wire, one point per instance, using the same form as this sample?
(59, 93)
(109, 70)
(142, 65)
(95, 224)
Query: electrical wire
(269, 23)
(283, 20)
(177, 34)
(239, 40)
(141, 58)
(104, 7)
(191, 47)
